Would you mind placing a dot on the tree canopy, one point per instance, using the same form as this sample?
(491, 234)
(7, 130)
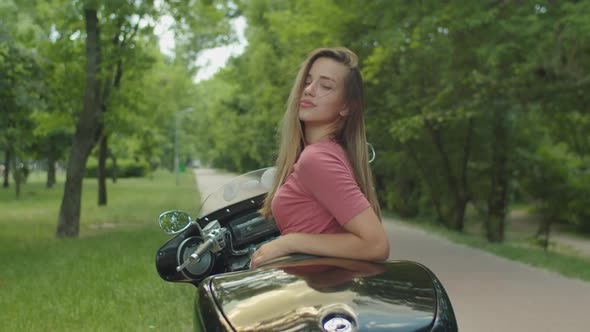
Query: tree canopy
(469, 105)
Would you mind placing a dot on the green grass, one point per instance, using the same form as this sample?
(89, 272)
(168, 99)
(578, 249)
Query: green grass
(106, 279)
(560, 259)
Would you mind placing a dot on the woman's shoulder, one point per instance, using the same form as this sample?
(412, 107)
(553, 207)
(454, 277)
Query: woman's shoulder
(322, 154)
(323, 149)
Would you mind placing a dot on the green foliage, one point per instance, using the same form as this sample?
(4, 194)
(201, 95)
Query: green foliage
(199, 25)
(558, 180)
(451, 92)
(457, 94)
(43, 58)
(126, 168)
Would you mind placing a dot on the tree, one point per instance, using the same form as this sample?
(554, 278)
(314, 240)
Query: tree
(86, 131)
(125, 18)
(19, 85)
(91, 122)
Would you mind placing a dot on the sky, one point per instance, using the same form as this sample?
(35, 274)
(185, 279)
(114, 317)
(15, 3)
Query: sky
(211, 60)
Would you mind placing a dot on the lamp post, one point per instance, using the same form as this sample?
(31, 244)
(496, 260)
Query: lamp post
(177, 117)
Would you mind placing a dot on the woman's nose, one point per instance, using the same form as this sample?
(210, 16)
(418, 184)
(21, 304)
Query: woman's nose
(309, 89)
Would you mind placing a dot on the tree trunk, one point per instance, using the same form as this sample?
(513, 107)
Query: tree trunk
(50, 170)
(430, 184)
(101, 171)
(7, 162)
(103, 152)
(17, 176)
(458, 193)
(461, 208)
(84, 138)
(114, 170)
(464, 194)
(500, 178)
(545, 231)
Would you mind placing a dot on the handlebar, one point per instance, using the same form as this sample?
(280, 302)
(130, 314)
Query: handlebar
(195, 256)
(214, 243)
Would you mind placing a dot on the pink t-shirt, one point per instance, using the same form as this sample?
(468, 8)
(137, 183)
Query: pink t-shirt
(321, 194)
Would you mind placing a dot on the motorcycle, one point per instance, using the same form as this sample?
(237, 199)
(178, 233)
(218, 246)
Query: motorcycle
(293, 293)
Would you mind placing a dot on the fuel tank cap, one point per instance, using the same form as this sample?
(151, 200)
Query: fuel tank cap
(338, 324)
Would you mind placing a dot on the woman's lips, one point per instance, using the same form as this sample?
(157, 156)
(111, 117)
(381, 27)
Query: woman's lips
(306, 104)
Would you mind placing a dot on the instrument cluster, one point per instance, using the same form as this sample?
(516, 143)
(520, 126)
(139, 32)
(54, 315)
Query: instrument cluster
(251, 228)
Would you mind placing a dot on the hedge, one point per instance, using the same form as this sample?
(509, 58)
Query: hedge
(126, 168)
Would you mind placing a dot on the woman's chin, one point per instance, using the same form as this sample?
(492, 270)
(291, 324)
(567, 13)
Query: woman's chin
(305, 114)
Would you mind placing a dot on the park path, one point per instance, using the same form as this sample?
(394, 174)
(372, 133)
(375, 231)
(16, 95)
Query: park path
(488, 293)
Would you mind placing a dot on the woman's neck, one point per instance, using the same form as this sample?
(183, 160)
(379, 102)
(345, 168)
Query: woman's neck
(317, 134)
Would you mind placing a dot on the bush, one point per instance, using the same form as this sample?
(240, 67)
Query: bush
(559, 181)
(126, 168)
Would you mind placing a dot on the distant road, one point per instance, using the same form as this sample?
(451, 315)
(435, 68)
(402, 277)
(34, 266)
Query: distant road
(489, 293)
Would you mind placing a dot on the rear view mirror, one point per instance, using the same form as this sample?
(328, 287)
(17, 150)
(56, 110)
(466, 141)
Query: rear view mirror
(173, 222)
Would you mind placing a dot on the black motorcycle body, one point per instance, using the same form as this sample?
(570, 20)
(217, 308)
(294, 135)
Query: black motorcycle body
(294, 293)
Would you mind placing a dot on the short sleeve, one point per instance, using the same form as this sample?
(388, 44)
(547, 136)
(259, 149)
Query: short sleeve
(325, 174)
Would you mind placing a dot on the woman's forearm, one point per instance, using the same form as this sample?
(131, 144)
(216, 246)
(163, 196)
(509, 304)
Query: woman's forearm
(346, 245)
(364, 239)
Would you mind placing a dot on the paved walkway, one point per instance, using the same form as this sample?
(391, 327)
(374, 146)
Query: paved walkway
(488, 293)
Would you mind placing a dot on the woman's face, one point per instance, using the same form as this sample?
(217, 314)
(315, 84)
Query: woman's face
(322, 100)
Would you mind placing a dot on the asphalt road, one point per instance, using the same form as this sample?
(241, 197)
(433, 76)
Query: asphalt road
(488, 293)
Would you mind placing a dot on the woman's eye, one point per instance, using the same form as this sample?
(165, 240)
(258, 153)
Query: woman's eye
(327, 87)
(307, 83)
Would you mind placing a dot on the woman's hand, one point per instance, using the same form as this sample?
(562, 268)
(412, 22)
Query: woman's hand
(270, 250)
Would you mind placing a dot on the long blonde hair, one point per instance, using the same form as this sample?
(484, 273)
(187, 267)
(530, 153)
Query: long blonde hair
(350, 135)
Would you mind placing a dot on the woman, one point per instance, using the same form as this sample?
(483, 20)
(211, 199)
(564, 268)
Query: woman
(322, 197)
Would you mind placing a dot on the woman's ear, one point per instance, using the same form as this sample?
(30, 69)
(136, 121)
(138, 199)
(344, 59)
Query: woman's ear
(344, 111)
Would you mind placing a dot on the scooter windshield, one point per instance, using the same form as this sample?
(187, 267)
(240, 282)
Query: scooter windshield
(240, 188)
